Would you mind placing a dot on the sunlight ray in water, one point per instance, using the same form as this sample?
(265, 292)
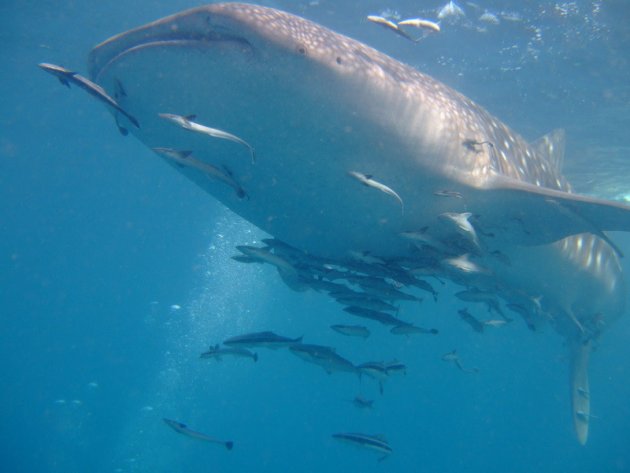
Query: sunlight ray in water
(216, 309)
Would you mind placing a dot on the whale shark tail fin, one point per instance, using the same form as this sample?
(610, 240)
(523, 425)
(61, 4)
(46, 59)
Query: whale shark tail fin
(580, 393)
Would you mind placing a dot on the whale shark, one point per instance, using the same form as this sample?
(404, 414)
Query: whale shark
(317, 105)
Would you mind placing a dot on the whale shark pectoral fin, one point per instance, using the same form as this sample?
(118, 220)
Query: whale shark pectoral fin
(580, 392)
(539, 215)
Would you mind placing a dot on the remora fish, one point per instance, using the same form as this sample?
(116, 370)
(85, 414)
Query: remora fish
(488, 298)
(336, 104)
(409, 329)
(287, 271)
(471, 320)
(453, 357)
(262, 339)
(188, 124)
(390, 25)
(365, 301)
(395, 367)
(376, 370)
(183, 429)
(362, 403)
(389, 293)
(325, 357)
(420, 23)
(376, 443)
(265, 256)
(366, 180)
(382, 317)
(352, 330)
(217, 352)
(66, 77)
(184, 158)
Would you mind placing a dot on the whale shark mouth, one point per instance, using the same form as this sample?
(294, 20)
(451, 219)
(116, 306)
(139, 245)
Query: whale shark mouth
(369, 174)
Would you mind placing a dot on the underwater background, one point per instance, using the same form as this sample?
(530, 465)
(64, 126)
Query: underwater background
(116, 272)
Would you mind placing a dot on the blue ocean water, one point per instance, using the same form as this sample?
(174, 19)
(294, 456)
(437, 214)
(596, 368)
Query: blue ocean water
(116, 273)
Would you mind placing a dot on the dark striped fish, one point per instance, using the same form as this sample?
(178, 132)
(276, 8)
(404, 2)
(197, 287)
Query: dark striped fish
(382, 317)
(352, 330)
(183, 429)
(376, 443)
(326, 357)
(261, 339)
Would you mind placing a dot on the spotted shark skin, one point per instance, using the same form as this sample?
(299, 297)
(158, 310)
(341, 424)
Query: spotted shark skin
(316, 104)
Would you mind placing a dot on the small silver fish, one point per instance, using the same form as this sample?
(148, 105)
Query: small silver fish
(366, 179)
(188, 124)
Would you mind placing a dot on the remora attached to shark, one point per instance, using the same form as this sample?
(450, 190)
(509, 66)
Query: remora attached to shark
(317, 105)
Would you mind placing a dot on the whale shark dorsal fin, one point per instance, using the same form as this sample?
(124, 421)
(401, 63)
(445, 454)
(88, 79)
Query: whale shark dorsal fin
(551, 147)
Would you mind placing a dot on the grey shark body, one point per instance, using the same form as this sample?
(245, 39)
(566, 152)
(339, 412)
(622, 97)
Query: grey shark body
(317, 105)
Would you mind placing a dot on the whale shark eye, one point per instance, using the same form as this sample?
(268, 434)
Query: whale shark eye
(338, 60)
(301, 49)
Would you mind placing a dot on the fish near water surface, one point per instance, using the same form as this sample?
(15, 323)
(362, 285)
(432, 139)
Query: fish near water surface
(317, 105)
